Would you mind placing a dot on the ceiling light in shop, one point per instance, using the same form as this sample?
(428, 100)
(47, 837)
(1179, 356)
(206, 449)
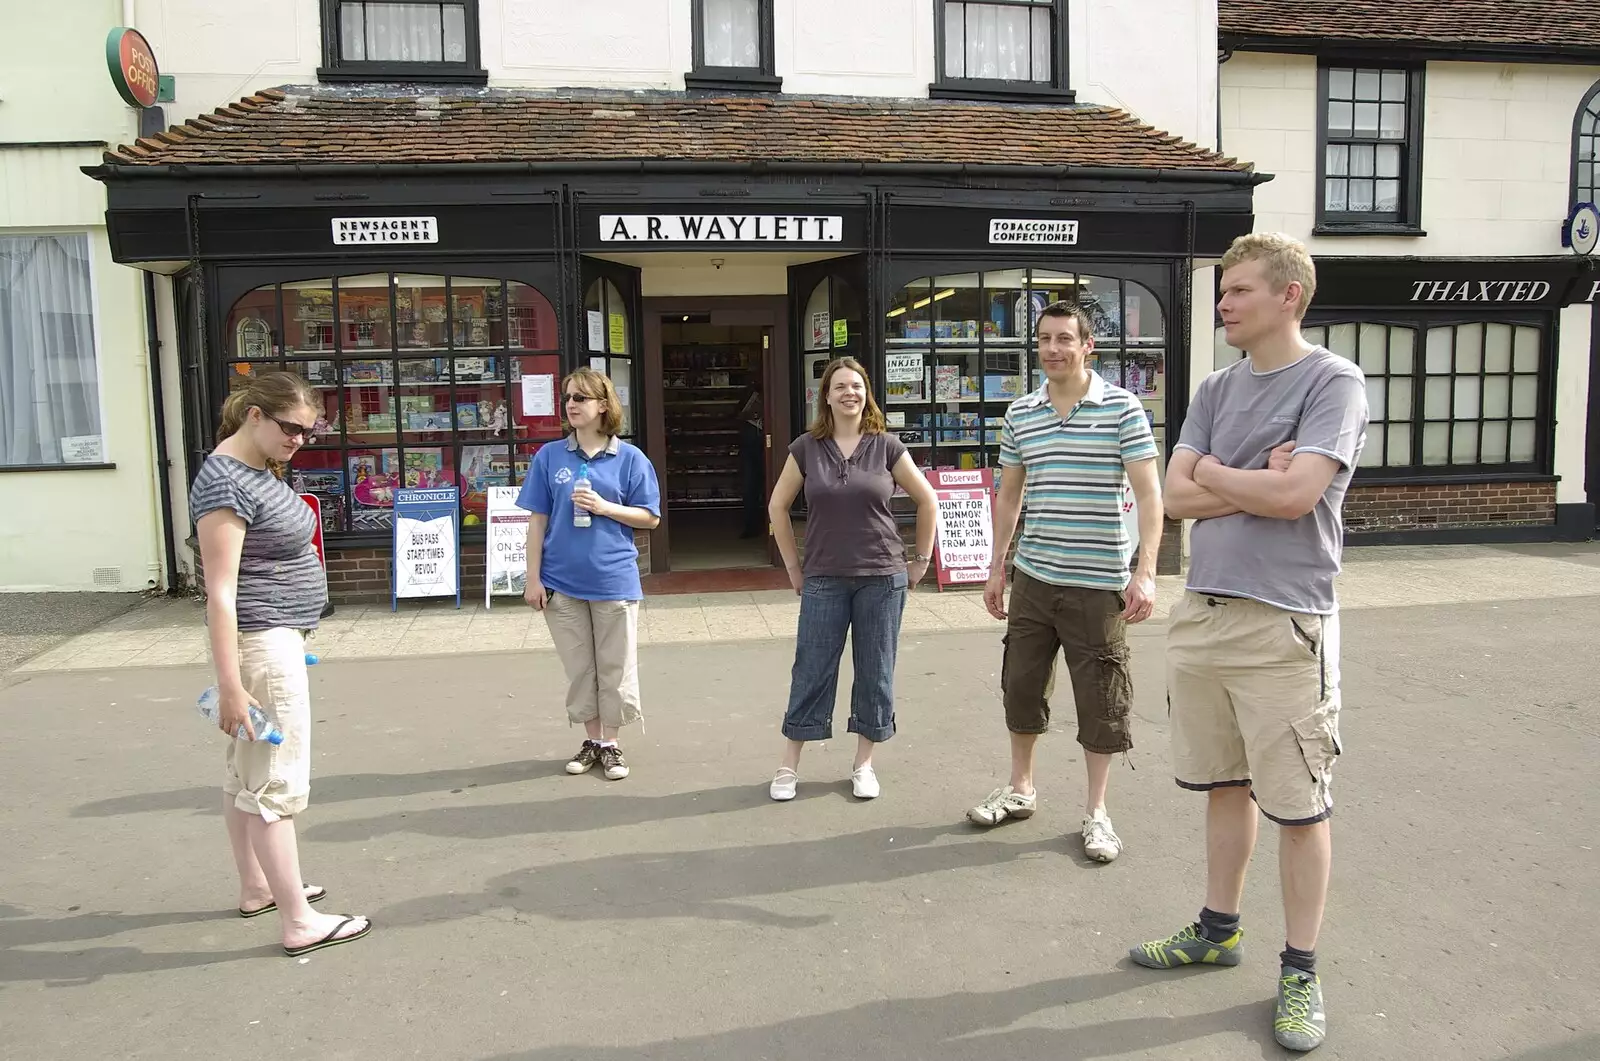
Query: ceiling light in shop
(898, 311)
(1055, 280)
(946, 293)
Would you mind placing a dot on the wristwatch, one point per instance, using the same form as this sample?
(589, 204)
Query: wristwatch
(918, 558)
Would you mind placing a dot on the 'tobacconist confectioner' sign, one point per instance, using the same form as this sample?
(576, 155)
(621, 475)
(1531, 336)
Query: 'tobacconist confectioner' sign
(1033, 230)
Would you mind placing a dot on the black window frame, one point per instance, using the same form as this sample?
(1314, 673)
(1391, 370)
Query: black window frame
(763, 78)
(1059, 90)
(1420, 323)
(1589, 105)
(335, 68)
(1407, 221)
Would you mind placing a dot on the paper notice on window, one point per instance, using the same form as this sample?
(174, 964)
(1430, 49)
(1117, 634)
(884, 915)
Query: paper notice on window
(903, 368)
(81, 449)
(538, 395)
(597, 330)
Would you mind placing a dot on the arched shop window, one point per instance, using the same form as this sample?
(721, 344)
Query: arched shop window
(1586, 149)
(606, 318)
(423, 381)
(1442, 397)
(960, 348)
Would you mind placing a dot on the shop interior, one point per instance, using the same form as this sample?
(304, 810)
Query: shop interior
(712, 406)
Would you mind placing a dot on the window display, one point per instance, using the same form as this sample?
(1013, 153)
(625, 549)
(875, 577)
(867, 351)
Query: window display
(423, 380)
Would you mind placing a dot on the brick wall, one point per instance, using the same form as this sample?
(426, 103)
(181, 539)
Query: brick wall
(1396, 507)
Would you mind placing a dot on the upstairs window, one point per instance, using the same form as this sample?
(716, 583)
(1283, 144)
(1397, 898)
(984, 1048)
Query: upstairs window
(1586, 150)
(1370, 164)
(733, 47)
(1001, 49)
(375, 40)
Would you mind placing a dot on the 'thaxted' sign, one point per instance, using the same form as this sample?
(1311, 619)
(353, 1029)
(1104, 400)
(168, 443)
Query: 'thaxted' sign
(1479, 290)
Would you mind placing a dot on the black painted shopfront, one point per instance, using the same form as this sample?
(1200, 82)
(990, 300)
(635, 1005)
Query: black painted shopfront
(433, 306)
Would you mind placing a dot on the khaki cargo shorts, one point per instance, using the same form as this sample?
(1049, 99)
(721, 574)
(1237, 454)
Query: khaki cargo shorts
(1254, 696)
(273, 780)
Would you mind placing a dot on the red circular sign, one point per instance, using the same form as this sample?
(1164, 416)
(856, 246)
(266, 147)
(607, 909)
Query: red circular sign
(133, 67)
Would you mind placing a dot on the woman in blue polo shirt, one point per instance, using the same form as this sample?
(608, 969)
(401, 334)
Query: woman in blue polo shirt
(583, 568)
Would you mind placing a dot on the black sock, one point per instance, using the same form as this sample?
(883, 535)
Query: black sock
(1304, 960)
(1217, 927)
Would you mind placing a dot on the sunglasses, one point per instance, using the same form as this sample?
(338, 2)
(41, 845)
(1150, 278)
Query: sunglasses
(290, 429)
(581, 398)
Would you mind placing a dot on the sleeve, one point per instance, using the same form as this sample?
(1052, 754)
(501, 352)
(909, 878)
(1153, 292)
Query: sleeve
(644, 491)
(1334, 420)
(1010, 455)
(215, 490)
(1138, 441)
(1196, 433)
(800, 450)
(893, 450)
(535, 495)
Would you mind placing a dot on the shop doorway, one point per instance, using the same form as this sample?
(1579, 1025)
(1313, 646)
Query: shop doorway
(718, 365)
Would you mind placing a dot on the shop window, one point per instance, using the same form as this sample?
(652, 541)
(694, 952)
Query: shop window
(1586, 150)
(1447, 398)
(831, 328)
(1369, 167)
(733, 46)
(610, 350)
(999, 49)
(413, 40)
(49, 379)
(960, 348)
(422, 380)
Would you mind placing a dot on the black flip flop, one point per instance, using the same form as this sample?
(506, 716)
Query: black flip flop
(332, 939)
(315, 897)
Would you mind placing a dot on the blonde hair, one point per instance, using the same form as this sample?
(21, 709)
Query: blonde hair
(596, 385)
(871, 416)
(274, 393)
(1284, 260)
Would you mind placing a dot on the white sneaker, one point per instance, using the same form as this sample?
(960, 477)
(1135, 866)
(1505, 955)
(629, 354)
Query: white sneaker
(783, 784)
(1100, 841)
(865, 783)
(1001, 804)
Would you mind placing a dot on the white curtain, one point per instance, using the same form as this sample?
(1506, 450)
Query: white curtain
(998, 43)
(403, 33)
(48, 387)
(732, 30)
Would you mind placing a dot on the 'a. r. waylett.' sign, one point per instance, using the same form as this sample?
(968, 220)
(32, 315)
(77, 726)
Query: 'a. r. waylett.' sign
(348, 230)
(721, 228)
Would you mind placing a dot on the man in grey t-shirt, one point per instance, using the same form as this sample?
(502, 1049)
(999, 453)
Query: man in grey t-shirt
(1262, 465)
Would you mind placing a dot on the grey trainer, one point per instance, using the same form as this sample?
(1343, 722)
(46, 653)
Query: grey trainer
(1299, 1021)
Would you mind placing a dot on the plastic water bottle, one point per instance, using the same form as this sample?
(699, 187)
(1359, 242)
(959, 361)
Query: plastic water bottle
(581, 517)
(210, 703)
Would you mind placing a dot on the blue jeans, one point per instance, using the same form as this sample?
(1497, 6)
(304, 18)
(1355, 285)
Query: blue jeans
(869, 609)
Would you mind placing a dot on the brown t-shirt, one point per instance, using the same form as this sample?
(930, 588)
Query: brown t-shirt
(850, 530)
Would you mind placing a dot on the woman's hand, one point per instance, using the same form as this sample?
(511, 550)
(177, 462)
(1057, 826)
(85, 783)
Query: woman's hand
(590, 501)
(916, 570)
(797, 579)
(233, 711)
(535, 595)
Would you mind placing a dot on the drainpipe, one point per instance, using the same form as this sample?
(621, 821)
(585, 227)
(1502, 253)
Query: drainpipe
(159, 409)
(1223, 55)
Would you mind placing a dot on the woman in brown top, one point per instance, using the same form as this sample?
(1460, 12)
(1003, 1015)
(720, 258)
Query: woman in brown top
(856, 574)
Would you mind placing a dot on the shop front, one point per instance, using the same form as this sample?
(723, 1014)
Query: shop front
(1477, 387)
(435, 308)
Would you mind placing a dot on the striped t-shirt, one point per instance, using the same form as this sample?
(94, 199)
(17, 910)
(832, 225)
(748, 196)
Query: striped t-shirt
(1075, 482)
(280, 578)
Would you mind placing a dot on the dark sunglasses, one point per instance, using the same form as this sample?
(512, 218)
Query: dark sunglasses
(290, 429)
(582, 398)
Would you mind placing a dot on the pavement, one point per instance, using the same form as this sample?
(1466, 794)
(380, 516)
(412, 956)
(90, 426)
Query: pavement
(34, 623)
(524, 915)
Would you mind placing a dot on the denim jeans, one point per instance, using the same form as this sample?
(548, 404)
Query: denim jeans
(869, 609)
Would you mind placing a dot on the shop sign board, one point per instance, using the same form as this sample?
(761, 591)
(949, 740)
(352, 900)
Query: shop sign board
(1037, 230)
(427, 562)
(133, 67)
(965, 513)
(721, 228)
(507, 555)
(362, 230)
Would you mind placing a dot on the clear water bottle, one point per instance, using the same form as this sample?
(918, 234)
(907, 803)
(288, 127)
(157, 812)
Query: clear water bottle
(581, 517)
(210, 703)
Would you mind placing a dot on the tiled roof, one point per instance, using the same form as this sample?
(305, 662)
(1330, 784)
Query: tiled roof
(299, 126)
(1552, 23)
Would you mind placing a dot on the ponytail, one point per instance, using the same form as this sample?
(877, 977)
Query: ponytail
(272, 393)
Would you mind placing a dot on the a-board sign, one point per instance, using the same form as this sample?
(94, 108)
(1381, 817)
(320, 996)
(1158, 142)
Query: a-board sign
(315, 503)
(427, 561)
(965, 524)
(507, 554)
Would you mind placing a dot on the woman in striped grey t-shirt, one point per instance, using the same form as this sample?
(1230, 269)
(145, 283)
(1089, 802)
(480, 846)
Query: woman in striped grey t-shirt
(265, 591)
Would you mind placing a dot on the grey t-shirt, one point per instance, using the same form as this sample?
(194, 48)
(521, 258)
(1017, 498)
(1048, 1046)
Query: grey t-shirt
(1240, 415)
(850, 530)
(280, 578)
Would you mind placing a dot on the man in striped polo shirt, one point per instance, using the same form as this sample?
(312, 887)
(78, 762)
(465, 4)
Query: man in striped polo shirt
(1068, 452)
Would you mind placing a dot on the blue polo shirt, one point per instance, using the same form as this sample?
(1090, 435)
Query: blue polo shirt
(600, 561)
